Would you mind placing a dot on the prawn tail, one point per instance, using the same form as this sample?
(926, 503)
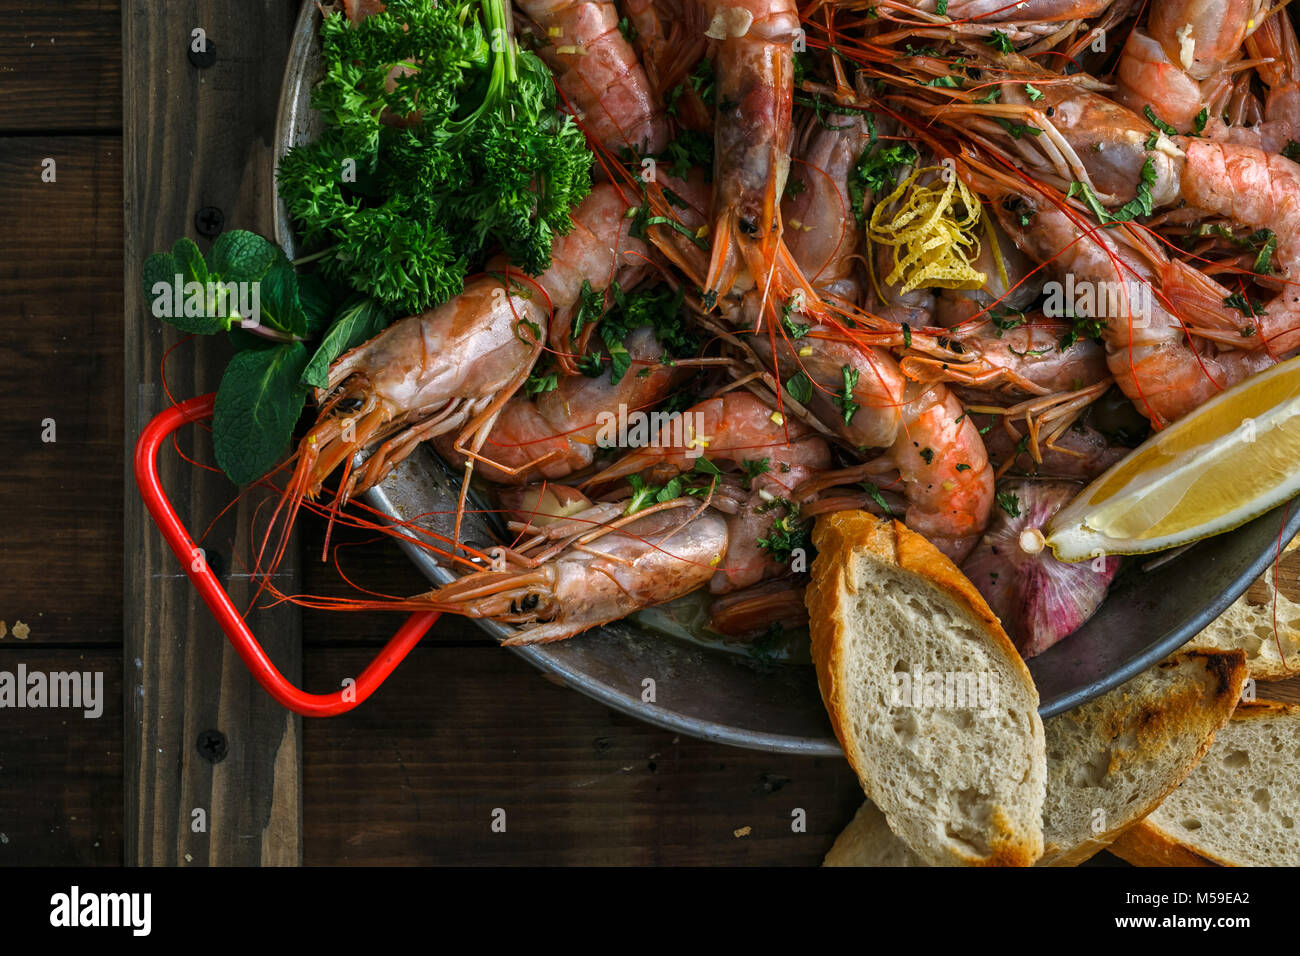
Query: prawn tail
(1198, 301)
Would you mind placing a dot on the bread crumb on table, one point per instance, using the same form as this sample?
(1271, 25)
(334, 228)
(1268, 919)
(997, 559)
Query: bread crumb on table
(742, 832)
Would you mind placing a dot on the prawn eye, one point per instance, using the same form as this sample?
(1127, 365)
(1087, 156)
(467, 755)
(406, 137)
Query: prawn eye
(529, 603)
(350, 404)
(1016, 205)
(748, 226)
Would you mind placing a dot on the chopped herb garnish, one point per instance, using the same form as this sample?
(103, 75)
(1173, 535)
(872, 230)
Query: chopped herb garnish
(1009, 502)
(752, 469)
(1157, 122)
(845, 400)
(927, 455)
(871, 489)
(787, 533)
(1001, 42)
(800, 387)
(1141, 205)
(794, 329)
(876, 171)
(538, 384)
(1247, 307)
(591, 306)
(1017, 130)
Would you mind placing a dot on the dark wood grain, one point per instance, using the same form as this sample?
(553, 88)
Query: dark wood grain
(373, 563)
(199, 138)
(60, 378)
(62, 66)
(415, 775)
(60, 771)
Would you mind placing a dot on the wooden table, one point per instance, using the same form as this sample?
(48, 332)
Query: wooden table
(142, 140)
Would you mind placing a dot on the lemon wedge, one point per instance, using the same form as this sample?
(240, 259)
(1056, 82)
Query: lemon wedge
(1234, 458)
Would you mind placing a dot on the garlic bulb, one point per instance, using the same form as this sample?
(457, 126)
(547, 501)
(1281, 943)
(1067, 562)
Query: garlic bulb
(1038, 598)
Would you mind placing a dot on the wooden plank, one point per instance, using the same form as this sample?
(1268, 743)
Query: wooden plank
(61, 66)
(415, 774)
(373, 563)
(61, 771)
(198, 138)
(61, 486)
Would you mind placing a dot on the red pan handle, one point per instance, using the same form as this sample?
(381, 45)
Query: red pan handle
(219, 603)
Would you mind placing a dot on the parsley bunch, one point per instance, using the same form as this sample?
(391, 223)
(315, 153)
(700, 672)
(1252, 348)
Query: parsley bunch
(441, 142)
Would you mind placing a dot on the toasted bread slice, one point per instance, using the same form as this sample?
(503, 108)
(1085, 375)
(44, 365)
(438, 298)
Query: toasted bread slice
(1113, 759)
(934, 708)
(1239, 807)
(1268, 632)
(1109, 761)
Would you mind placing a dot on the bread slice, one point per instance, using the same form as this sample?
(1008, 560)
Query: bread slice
(1109, 761)
(1239, 807)
(868, 841)
(1112, 760)
(1269, 632)
(935, 710)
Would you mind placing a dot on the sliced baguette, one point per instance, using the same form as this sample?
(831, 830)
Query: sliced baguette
(868, 841)
(1111, 760)
(1269, 633)
(1239, 807)
(961, 785)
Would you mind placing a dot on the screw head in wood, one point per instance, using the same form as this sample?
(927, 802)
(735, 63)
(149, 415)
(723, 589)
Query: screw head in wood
(212, 746)
(209, 221)
(202, 58)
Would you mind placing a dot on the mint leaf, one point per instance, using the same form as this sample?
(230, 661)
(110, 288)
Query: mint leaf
(359, 320)
(317, 303)
(161, 298)
(189, 261)
(159, 270)
(242, 256)
(257, 406)
(280, 308)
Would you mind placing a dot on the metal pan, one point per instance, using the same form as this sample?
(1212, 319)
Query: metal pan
(723, 697)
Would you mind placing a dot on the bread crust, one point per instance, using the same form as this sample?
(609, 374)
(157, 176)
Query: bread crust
(838, 535)
(1157, 728)
(1148, 844)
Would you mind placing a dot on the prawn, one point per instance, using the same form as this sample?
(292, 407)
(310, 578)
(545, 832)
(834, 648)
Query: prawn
(602, 570)
(1185, 59)
(451, 368)
(1027, 355)
(1260, 190)
(554, 434)
(1146, 341)
(932, 450)
(1276, 41)
(599, 73)
(738, 428)
(754, 67)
